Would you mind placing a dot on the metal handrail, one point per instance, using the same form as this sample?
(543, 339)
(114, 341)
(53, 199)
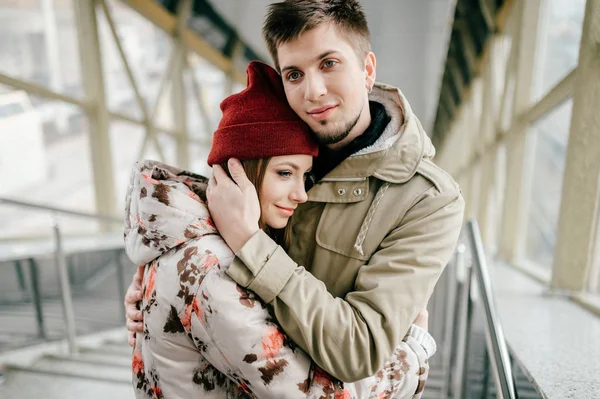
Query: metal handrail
(495, 342)
(466, 281)
(33, 205)
(61, 268)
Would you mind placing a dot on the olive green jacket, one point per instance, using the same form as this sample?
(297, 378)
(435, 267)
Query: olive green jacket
(368, 248)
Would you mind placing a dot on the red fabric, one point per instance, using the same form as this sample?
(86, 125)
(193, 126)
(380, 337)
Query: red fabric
(259, 123)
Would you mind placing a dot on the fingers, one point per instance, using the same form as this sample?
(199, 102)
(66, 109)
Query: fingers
(134, 326)
(139, 276)
(219, 175)
(131, 339)
(132, 312)
(238, 173)
(133, 295)
(211, 183)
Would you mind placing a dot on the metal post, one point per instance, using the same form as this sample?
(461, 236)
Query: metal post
(464, 308)
(20, 276)
(486, 375)
(65, 289)
(495, 343)
(93, 82)
(448, 339)
(37, 299)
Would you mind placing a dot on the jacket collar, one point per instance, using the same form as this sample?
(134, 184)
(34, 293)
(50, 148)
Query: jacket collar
(394, 158)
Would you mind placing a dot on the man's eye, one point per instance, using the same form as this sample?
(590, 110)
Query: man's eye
(329, 63)
(293, 76)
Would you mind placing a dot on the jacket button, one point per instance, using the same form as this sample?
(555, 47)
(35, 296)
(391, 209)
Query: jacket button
(357, 192)
(342, 191)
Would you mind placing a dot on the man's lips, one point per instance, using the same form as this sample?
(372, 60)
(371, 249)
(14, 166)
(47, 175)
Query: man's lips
(322, 113)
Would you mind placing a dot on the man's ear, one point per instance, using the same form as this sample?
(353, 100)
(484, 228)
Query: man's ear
(370, 69)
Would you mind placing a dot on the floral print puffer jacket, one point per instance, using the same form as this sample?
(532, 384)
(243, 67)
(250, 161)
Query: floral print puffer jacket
(205, 336)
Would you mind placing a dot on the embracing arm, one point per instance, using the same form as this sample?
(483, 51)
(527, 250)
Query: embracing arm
(351, 338)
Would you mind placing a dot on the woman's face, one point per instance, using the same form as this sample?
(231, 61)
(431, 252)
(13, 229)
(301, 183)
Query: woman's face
(282, 188)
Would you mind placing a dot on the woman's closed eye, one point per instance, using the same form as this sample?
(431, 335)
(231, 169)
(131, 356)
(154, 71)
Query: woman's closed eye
(285, 173)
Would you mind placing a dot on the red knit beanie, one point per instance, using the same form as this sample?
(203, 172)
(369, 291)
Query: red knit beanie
(259, 123)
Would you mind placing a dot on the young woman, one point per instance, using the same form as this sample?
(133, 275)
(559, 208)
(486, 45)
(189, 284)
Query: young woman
(205, 336)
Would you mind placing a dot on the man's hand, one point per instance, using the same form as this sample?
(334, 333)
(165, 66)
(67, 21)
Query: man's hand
(133, 314)
(233, 204)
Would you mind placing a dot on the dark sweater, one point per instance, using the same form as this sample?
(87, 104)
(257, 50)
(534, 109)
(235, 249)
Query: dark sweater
(328, 159)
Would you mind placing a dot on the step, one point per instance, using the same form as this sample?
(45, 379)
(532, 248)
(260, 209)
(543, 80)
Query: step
(75, 368)
(105, 359)
(22, 384)
(109, 349)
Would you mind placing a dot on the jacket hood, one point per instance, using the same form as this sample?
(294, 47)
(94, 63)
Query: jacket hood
(165, 207)
(396, 155)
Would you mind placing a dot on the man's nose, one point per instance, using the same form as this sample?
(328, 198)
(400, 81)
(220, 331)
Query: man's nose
(315, 87)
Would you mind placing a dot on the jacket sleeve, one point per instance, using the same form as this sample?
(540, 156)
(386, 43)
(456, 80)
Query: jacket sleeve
(402, 376)
(352, 337)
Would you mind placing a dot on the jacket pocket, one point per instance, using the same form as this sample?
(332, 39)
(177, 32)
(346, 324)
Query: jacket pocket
(339, 227)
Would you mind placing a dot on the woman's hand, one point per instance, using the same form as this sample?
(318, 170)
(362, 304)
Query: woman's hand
(133, 314)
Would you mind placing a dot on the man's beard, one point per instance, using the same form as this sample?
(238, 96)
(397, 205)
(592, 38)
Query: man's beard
(336, 137)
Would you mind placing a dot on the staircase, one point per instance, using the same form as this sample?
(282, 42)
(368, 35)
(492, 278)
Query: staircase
(480, 383)
(101, 369)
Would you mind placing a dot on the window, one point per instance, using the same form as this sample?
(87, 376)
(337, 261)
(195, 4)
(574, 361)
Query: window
(39, 44)
(595, 275)
(45, 158)
(147, 50)
(558, 45)
(495, 208)
(551, 136)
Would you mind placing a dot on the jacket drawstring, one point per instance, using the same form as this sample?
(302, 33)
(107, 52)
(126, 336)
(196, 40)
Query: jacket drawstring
(364, 228)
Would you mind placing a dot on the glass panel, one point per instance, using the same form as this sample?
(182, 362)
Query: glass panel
(552, 134)
(476, 108)
(148, 50)
(558, 45)
(168, 145)
(595, 281)
(198, 157)
(212, 83)
(496, 204)
(198, 124)
(126, 141)
(163, 117)
(39, 44)
(44, 157)
(474, 188)
(503, 49)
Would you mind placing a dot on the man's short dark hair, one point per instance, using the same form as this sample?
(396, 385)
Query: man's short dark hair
(287, 20)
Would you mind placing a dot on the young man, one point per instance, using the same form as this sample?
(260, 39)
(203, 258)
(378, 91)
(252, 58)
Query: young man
(380, 223)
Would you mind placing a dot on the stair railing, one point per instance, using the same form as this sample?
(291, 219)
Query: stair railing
(465, 282)
(61, 267)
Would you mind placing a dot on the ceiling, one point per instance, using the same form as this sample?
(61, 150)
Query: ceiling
(409, 39)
